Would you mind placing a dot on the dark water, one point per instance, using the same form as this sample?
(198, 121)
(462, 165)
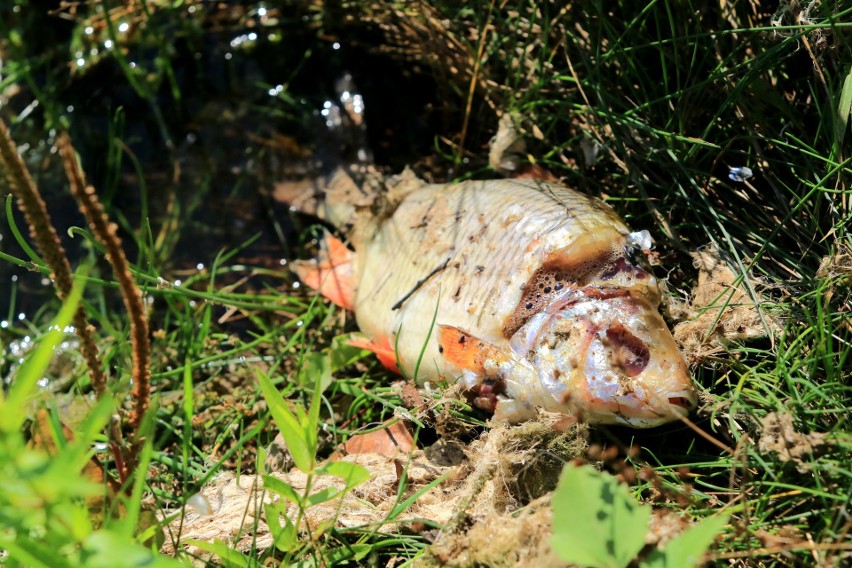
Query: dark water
(241, 108)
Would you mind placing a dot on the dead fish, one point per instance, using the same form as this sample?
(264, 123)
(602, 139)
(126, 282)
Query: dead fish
(527, 292)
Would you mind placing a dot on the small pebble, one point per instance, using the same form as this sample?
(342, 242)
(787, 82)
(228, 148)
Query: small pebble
(200, 504)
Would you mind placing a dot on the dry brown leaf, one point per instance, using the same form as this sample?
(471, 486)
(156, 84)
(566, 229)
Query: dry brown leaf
(390, 441)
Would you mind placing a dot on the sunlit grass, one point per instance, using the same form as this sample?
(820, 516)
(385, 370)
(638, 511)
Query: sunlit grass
(646, 105)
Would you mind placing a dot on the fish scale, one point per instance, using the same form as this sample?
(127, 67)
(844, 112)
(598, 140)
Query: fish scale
(544, 216)
(527, 292)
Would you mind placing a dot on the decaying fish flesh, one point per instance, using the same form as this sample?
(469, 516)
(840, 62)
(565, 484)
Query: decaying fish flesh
(527, 292)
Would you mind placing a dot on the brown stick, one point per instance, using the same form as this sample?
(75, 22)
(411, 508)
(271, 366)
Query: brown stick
(47, 241)
(107, 234)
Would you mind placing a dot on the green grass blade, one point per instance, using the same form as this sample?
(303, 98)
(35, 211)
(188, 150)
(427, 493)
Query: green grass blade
(12, 411)
(292, 429)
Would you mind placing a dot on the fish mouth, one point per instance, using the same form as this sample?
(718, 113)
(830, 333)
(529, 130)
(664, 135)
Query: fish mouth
(625, 384)
(631, 410)
(684, 401)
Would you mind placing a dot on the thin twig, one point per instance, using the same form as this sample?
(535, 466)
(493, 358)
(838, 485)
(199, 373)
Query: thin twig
(753, 552)
(420, 283)
(692, 425)
(474, 78)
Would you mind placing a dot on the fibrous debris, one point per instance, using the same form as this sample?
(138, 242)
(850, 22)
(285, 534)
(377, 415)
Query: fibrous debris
(779, 436)
(721, 309)
(508, 468)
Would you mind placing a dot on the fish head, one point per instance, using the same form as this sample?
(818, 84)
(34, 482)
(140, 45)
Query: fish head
(609, 358)
(602, 352)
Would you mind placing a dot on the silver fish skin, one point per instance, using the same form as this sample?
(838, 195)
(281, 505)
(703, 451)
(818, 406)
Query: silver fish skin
(527, 292)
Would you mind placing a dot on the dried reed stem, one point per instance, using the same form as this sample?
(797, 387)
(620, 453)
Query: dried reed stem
(47, 241)
(107, 234)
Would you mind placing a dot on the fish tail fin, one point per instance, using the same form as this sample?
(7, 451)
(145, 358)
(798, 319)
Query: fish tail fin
(331, 274)
(335, 198)
(348, 195)
(382, 348)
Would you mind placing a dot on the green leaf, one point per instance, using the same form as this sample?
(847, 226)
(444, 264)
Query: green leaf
(844, 107)
(400, 507)
(285, 537)
(316, 366)
(22, 242)
(321, 496)
(230, 558)
(106, 549)
(688, 548)
(336, 556)
(311, 423)
(595, 521)
(353, 552)
(12, 412)
(281, 488)
(75, 453)
(352, 473)
(150, 530)
(342, 354)
(31, 553)
(295, 432)
(134, 502)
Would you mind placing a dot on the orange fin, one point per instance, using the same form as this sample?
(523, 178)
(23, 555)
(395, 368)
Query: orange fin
(331, 274)
(381, 347)
(467, 351)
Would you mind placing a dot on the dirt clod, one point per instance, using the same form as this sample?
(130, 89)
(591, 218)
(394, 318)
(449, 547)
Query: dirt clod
(721, 309)
(278, 457)
(507, 148)
(779, 436)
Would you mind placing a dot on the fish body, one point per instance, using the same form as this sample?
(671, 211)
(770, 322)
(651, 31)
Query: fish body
(525, 291)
